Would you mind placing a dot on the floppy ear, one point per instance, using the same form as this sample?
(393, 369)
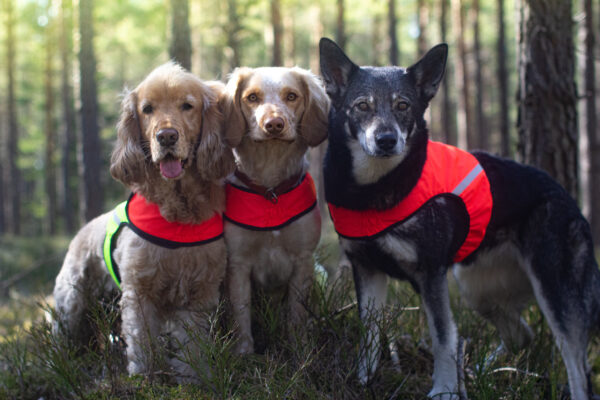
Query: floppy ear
(230, 105)
(128, 158)
(313, 124)
(336, 68)
(214, 159)
(429, 71)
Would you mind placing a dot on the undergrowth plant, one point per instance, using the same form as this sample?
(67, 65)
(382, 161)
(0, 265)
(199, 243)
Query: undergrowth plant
(314, 361)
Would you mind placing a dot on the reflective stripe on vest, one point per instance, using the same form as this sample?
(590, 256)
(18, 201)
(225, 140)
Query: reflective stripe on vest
(253, 211)
(447, 170)
(144, 218)
(116, 221)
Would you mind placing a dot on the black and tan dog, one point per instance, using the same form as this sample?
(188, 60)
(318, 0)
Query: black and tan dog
(410, 208)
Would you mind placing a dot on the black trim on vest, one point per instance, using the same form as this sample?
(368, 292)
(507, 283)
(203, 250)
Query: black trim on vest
(272, 228)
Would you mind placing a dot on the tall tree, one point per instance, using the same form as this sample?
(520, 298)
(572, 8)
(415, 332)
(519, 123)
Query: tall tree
(448, 126)
(232, 30)
(12, 145)
(502, 77)
(547, 121)
(482, 133)
(423, 20)
(340, 29)
(50, 128)
(180, 47)
(90, 166)
(392, 22)
(277, 24)
(591, 124)
(464, 132)
(68, 137)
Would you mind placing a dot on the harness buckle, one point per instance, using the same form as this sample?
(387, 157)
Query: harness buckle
(271, 196)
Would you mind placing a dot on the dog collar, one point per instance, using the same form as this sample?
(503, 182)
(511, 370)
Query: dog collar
(256, 211)
(144, 218)
(447, 171)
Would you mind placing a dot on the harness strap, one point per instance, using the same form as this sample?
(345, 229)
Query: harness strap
(117, 220)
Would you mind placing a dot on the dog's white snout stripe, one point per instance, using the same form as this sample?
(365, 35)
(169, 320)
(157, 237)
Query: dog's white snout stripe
(467, 180)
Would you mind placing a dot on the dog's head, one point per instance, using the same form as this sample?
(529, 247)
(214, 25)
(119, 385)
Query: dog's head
(273, 103)
(382, 106)
(170, 122)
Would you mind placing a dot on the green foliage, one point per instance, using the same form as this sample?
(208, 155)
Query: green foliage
(318, 361)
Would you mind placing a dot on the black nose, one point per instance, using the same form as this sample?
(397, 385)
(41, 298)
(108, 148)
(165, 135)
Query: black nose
(386, 141)
(167, 137)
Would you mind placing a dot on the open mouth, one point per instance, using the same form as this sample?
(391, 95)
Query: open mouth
(171, 167)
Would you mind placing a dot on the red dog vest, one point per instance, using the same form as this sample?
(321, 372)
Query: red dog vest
(253, 211)
(145, 220)
(447, 170)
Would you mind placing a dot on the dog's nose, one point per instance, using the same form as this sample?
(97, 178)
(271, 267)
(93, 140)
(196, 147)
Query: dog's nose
(274, 126)
(386, 141)
(167, 137)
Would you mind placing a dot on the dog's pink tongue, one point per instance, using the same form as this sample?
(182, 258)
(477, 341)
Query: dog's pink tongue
(171, 169)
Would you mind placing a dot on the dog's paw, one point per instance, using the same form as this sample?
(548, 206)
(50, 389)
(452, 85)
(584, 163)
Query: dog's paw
(443, 394)
(245, 345)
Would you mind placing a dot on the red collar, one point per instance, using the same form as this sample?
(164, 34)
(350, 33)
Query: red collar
(253, 211)
(145, 220)
(447, 171)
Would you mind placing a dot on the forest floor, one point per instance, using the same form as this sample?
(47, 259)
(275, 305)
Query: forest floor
(320, 364)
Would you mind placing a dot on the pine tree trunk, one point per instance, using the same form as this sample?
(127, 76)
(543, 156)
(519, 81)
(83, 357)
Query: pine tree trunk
(591, 123)
(232, 32)
(180, 49)
(340, 30)
(448, 125)
(277, 32)
(547, 121)
(502, 77)
(68, 139)
(392, 21)
(423, 20)
(90, 165)
(482, 133)
(464, 133)
(50, 131)
(12, 146)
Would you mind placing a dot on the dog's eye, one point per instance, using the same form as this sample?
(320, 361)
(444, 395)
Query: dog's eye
(402, 106)
(363, 106)
(253, 98)
(291, 96)
(147, 109)
(186, 106)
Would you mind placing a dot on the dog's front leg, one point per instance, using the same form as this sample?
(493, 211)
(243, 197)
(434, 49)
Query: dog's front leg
(239, 288)
(298, 291)
(434, 293)
(140, 325)
(371, 291)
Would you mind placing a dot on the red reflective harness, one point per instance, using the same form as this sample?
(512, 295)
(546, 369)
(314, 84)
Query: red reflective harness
(253, 211)
(447, 170)
(145, 220)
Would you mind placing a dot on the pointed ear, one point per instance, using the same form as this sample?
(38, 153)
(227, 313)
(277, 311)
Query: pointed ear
(214, 158)
(429, 71)
(336, 68)
(313, 124)
(231, 106)
(128, 158)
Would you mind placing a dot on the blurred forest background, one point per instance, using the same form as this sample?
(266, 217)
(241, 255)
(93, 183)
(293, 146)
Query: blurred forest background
(520, 81)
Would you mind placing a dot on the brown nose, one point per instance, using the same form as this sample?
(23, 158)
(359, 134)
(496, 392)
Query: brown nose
(274, 126)
(167, 137)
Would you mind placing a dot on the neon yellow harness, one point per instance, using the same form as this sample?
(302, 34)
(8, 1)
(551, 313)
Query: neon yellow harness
(113, 226)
